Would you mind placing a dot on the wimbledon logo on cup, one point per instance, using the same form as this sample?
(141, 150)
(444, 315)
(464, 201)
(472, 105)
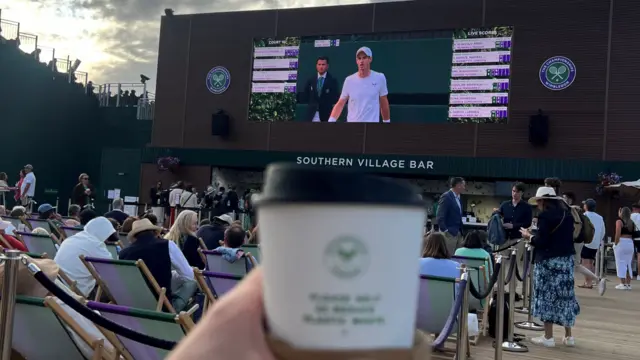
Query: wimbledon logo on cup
(218, 80)
(346, 257)
(557, 73)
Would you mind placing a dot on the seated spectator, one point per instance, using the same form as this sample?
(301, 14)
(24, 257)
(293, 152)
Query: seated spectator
(151, 217)
(214, 233)
(127, 224)
(161, 256)
(18, 211)
(87, 215)
(89, 242)
(74, 216)
(117, 211)
(233, 240)
(115, 225)
(3, 210)
(436, 260)
(183, 233)
(48, 212)
(8, 237)
(473, 246)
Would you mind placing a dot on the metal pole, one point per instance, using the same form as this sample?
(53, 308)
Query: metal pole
(36, 51)
(524, 309)
(57, 203)
(499, 311)
(462, 335)
(118, 95)
(8, 301)
(529, 324)
(511, 345)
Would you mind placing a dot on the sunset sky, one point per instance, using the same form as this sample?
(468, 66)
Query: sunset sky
(117, 40)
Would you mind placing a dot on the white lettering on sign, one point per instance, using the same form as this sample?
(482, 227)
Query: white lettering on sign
(364, 163)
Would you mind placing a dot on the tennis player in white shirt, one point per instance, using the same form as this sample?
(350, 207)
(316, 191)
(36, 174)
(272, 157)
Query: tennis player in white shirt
(366, 91)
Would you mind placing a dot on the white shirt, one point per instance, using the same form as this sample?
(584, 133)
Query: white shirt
(364, 96)
(174, 197)
(635, 217)
(178, 262)
(68, 258)
(598, 225)
(188, 199)
(30, 178)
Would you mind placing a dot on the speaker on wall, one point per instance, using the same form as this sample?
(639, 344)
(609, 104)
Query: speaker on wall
(220, 123)
(539, 129)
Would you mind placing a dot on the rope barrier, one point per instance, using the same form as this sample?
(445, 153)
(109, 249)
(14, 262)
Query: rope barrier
(453, 317)
(525, 267)
(512, 269)
(492, 282)
(92, 316)
(506, 247)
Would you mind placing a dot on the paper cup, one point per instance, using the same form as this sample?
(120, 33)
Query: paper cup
(340, 258)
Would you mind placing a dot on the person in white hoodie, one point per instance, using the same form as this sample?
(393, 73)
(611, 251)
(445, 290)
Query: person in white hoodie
(89, 242)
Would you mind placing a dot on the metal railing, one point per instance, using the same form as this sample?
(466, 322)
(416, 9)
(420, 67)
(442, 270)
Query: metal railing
(128, 95)
(10, 29)
(28, 43)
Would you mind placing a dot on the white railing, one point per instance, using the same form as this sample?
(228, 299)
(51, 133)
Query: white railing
(128, 95)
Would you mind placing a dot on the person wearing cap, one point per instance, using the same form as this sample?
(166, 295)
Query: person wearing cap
(28, 186)
(48, 212)
(590, 250)
(365, 91)
(635, 217)
(7, 240)
(89, 242)
(161, 256)
(213, 233)
(554, 299)
(321, 92)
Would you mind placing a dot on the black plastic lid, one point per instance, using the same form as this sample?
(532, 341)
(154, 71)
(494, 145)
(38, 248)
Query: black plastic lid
(287, 183)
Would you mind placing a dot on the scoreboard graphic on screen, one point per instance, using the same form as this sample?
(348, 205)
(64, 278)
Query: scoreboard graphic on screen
(458, 76)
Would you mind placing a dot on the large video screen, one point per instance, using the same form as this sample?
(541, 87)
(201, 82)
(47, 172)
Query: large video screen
(459, 76)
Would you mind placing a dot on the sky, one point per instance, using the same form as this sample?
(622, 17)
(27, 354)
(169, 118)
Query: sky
(117, 40)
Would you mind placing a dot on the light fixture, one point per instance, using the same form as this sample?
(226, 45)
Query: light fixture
(168, 12)
(144, 78)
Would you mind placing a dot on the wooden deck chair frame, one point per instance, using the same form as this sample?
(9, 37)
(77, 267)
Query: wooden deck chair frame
(204, 287)
(18, 236)
(72, 284)
(184, 319)
(160, 292)
(26, 223)
(56, 229)
(203, 246)
(4, 243)
(99, 351)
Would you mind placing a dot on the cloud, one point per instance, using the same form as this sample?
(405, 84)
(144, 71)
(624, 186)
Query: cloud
(130, 35)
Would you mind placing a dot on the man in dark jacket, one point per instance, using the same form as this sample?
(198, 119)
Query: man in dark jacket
(214, 233)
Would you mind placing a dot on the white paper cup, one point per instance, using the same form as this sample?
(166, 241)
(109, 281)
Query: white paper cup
(340, 275)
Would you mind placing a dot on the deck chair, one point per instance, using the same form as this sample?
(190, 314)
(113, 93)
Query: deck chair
(55, 229)
(16, 222)
(69, 231)
(217, 264)
(436, 297)
(478, 276)
(38, 333)
(202, 244)
(39, 244)
(4, 243)
(254, 250)
(165, 326)
(124, 240)
(114, 248)
(127, 283)
(214, 285)
(33, 223)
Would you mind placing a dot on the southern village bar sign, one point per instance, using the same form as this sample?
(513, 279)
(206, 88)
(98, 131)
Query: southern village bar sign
(365, 163)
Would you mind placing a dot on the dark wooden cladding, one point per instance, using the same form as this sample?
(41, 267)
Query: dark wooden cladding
(191, 45)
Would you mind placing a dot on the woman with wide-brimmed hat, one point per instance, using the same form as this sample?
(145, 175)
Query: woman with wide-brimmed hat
(554, 300)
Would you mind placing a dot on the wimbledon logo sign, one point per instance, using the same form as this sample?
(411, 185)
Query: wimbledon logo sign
(557, 73)
(218, 80)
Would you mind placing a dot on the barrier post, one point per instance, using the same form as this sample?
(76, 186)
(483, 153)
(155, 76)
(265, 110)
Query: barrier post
(524, 309)
(529, 324)
(511, 345)
(463, 334)
(8, 301)
(497, 344)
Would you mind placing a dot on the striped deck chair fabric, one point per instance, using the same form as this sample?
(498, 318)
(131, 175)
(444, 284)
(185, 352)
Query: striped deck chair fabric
(70, 231)
(217, 284)
(254, 250)
(39, 334)
(126, 283)
(160, 325)
(36, 223)
(217, 264)
(16, 222)
(435, 300)
(39, 244)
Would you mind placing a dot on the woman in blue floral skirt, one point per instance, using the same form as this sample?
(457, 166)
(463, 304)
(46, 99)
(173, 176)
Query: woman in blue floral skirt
(554, 300)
